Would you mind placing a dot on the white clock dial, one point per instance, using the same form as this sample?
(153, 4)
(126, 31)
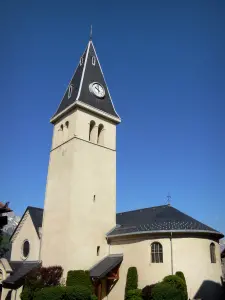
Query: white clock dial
(97, 89)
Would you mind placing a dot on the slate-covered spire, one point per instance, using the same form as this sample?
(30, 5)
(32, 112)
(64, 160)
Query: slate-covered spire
(88, 86)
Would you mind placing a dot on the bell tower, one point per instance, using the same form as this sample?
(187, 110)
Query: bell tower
(80, 199)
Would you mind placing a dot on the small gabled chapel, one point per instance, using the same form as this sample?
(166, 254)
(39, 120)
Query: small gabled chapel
(79, 227)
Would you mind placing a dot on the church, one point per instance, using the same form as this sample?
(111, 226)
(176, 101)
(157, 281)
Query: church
(79, 227)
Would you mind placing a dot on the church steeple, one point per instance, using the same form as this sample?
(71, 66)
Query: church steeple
(88, 88)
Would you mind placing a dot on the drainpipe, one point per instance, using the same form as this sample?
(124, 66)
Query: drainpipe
(171, 247)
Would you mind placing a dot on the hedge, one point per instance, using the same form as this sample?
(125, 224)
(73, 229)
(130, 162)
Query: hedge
(93, 297)
(132, 280)
(78, 292)
(39, 278)
(181, 275)
(176, 282)
(50, 293)
(27, 294)
(165, 291)
(147, 292)
(79, 277)
(134, 294)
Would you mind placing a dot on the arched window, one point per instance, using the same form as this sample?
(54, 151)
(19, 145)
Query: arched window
(100, 134)
(156, 252)
(213, 253)
(91, 131)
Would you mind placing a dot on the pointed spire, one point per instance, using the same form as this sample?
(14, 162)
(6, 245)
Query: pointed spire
(80, 90)
(91, 33)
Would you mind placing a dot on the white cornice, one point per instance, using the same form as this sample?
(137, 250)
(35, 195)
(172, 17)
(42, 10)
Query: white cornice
(89, 108)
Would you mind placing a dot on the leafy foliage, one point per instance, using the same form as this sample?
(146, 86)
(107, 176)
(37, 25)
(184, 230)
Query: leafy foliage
(132, 280)
(62, 292)
(134, 294)
(40, 278)
(165, 291)
(181, 275)
(4, 243)
(79, 277)
(147, 292)
(93, 297)
(176, 282)
(27, 294)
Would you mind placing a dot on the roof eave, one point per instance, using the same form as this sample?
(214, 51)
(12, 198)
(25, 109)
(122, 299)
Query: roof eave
(218, 234)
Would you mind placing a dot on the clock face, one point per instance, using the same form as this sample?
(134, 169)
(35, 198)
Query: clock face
(97, 89)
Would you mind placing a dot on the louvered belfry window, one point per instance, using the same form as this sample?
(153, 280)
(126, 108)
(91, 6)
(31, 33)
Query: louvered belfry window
(157, 253)
(213, 253)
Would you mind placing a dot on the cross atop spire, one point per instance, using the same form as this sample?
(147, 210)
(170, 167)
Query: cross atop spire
(91, 33)
(168, 199)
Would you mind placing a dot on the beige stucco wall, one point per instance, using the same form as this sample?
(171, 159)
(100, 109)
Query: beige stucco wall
(78, 170)
(190, 255)
(26, 231)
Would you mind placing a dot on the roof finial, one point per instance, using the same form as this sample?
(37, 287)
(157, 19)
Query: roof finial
(91, 33)
(168, 199)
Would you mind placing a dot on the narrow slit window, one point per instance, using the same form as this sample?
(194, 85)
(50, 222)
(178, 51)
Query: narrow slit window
(98, 250)
(81, 61)
(67, 124)
(93, 59)
(94, 198)
(61, 126)
(91, 131)
(100, 139)
(213, 253)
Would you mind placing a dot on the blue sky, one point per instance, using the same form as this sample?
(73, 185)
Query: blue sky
(164, 62)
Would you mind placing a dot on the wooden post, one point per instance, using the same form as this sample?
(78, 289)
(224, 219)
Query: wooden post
(100, 290)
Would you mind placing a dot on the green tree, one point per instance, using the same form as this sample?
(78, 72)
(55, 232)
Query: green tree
(132, 280)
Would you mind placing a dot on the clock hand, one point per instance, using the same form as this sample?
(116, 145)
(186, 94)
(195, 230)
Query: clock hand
(97, 88)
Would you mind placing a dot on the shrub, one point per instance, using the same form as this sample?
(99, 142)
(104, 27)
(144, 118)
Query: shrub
(147, 292)
(50, 293)
(134, 294)
(181, 275)
(39, 278)
(93, 297)
(27, 294)
(132, 280)
(43, 277)
(79, 277)
(165, 291)
(77, 292)
(177, 283)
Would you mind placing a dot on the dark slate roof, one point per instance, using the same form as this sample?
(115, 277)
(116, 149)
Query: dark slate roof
(36, 214)
(159, 218)
(105, 266)
(85, 74)
(20, 270)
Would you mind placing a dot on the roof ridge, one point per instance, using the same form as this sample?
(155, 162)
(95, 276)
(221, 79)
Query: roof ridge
(165, 205)
(28, 207)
